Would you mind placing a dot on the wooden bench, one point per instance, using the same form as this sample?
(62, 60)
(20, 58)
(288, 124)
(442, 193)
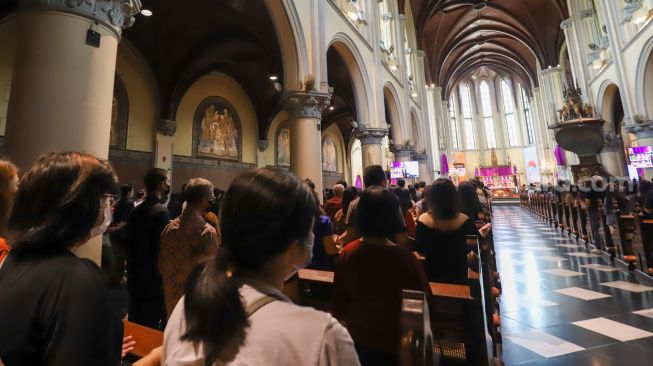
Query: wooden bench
(146, 338)
(315, 288)
(416, 347)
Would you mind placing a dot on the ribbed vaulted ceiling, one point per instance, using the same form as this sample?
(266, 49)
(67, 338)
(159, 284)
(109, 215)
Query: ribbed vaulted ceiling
(508, 36)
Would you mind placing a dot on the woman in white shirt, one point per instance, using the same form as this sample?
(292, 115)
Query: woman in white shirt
(234, 310)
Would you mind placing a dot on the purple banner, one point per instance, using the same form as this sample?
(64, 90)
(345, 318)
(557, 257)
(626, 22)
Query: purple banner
(501, 171)
(560, 156)
(444, 164)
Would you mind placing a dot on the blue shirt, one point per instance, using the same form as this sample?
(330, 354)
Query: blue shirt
(321, 260)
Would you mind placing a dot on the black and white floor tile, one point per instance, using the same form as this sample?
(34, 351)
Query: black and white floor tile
(562, 305)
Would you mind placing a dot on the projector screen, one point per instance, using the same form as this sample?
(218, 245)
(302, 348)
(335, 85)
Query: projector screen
(404, 169)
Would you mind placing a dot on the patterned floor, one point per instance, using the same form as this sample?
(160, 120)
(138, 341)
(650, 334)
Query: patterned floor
(562, 305)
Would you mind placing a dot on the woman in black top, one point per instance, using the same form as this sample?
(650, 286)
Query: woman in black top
(442, 233)
(470, 205)
(54, 308)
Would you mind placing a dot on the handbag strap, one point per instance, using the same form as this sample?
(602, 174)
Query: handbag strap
(258, 304)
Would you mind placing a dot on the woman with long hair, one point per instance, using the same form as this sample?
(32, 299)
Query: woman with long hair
(470, 204)
(442, 233)
(8, 188)
(266, 225)
(340, 217)
(55, 307)
(370, 277)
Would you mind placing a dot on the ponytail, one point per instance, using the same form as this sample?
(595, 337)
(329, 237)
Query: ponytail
(213, 308)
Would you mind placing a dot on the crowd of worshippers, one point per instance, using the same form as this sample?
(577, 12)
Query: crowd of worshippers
(208, 267)
(601, 189)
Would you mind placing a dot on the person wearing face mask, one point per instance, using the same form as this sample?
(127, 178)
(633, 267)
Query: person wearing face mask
(55, 307)
(144, 227)
(187, 240)
(8, 188)
(266, 227)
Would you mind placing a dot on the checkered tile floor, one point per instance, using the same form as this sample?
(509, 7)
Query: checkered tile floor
(562, 305)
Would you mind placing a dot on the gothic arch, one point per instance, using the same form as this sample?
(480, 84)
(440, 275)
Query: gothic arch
(290, 36)
(391, 102)
(644, 83)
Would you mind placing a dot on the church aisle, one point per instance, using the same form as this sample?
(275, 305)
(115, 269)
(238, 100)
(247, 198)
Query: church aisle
(562, 305)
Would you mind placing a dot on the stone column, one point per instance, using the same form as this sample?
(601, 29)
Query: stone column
(371, 144)
(261, 153)
(403, 152)
(425, 173)
(610, 155)
(163, 150)
(305, 114)
(62, 88)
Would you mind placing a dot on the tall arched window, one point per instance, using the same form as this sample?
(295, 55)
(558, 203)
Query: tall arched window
(509, 109)
(452, 120)
(468, 124)
(529, 116)
(488, 121)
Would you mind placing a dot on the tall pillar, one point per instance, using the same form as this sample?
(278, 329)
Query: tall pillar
(305, 114)
(62, 88)
(403, 152)
(261, 153)
(425, 172)
(163, 151)
(371, 144)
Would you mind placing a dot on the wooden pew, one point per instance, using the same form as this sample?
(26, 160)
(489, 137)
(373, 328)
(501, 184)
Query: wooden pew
(583, 220)
(604, 232)
(315, 288)
(459, 323)
(416, 337)
(646, 231)
(146, 338)
(554, 213)
(561, 217)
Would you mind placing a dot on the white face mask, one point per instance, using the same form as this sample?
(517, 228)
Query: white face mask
(99, 230)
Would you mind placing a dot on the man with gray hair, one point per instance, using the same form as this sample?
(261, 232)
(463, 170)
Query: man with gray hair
(334, 204)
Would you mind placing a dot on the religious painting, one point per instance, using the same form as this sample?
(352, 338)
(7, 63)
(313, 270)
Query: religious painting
(283, 147)
(216, 130)
(119, 115)
(329, 157)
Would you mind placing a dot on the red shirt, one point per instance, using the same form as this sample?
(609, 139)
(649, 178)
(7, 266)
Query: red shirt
(4, 249)
(369, 279)
(332, 206)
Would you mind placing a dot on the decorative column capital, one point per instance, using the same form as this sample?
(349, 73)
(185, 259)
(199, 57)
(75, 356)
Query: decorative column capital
(371, 135)
(643, 130)
(263, 145)
(420, 53)
(565, 24)
(630, 8)
(611, 141)
(551, 70)
(421, 158)
(402, 151)
(306, 104)
(167, 127)
(113, 14)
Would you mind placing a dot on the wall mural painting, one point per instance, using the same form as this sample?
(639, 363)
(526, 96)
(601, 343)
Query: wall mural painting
(283, 147)
(217, 130)
(329, 157)
(119, 115)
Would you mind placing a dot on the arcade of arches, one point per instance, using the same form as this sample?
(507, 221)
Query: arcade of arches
(324, 88)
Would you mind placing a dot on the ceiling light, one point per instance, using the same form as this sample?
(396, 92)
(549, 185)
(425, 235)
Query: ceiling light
(641, 15)
(432, 85)
(414, 94)
(146, 12)
(331, 108)
(273, 77)
(392, 64)
(597, 64)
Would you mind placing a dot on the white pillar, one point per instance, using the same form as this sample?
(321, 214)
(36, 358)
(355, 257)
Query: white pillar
(305, 114)
(371, 144)
(62, 88)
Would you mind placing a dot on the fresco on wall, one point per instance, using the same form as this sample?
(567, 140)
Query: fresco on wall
(329, 158)
(283, 147)
(119, 115)
(217, 130)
